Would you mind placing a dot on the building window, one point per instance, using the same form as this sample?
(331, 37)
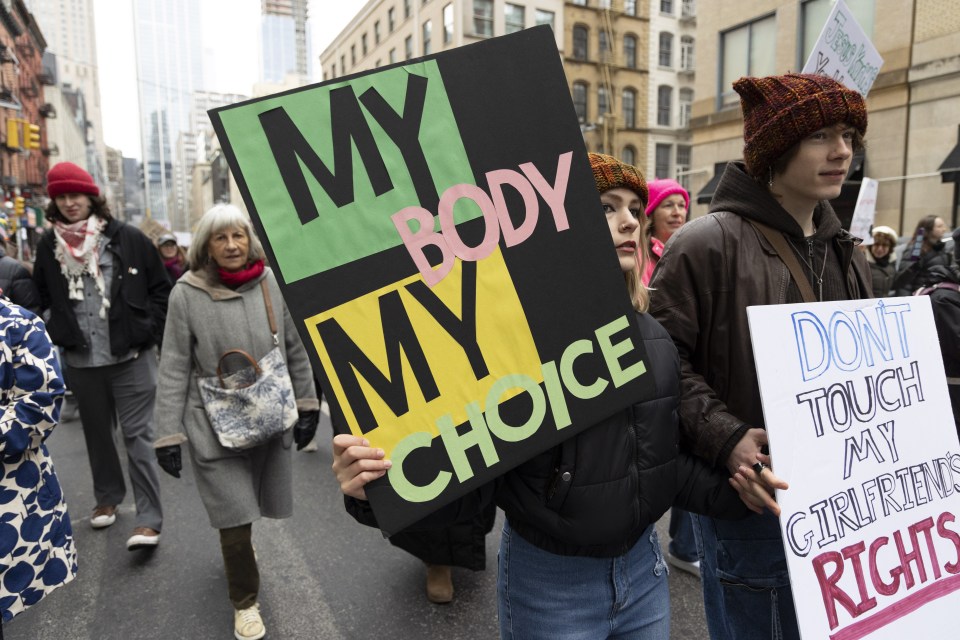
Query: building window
(343, 65)
(376, 32)
(629, 101)
(603, 4)
(544, 17)
(630, 51)
(630, 8)
(814, 14)
(666, 49)
(514, 17)
(483, 17)
(746, 51)
(666, 6)
(376, 65)
(580, 100)
(427, 32)
(603, 102)
(688, 8)
(582, 3)
(448, 24)
(686, 53)
(664, 100)
(683, 166)
(391, 22)
(408, 47)
(629, 155)
(606, 48)
(333, 72)
(580, 42)
(406, 8)
(662, 161)
(686, 106)
(363, 44)
(393, 55)
(353, 55)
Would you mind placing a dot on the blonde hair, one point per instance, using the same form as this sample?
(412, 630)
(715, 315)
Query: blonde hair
(639, 293)
(216, 219)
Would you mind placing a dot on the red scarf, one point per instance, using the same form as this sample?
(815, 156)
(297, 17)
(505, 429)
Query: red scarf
(234, 279)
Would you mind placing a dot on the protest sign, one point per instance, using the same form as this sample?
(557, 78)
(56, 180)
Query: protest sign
(865, 211)
(844, 52)
(438, 236)
(859, 423)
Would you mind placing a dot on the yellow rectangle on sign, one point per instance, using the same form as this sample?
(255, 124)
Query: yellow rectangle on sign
(502, 334)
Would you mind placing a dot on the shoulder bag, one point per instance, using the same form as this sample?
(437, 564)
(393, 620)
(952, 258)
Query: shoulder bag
(255, 404)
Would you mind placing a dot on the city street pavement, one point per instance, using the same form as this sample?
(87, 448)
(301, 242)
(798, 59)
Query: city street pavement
(322, 575)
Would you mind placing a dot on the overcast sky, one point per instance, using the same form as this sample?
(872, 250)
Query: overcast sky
(231, 33)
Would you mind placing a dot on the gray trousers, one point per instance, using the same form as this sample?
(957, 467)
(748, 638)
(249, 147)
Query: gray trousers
(126, 392)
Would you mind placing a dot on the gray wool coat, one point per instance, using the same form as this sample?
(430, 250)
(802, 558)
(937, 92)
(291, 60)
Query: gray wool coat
(204, 319)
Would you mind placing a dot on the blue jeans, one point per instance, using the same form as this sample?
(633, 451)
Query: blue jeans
(682, 545)
(542, 595)
(746, 588)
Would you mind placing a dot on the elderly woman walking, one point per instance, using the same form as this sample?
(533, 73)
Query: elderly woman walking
(230, 301)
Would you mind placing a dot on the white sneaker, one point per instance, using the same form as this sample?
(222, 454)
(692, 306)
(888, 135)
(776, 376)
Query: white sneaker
(103, 516)
(247, 624)
(143, 538)
(692, 568)
(312, 446)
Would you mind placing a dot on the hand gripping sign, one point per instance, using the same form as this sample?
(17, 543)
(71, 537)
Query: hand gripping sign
(859, 422)
(439, 241)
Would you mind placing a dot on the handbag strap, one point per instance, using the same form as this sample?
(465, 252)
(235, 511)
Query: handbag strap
(239, 352)
(270, 316)
(786, 255)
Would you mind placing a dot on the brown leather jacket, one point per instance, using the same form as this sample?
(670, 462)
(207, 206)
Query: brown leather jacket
(713, 268)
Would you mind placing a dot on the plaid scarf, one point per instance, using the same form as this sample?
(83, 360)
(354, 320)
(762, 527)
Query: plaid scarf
(78, 252)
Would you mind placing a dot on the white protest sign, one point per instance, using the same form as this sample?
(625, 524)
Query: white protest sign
(844, 52)
(865, 210)
(859, 423)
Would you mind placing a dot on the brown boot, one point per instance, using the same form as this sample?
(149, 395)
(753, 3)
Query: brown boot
(439, 584)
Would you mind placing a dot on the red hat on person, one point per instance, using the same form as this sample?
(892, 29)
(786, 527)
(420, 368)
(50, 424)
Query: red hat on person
(66, 177)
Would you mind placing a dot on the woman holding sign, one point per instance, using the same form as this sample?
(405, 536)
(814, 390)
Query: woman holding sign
(771, 238)
(230, 301)
(579, 556)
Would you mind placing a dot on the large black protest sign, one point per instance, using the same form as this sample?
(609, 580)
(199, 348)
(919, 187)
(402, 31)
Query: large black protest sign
(440, 243)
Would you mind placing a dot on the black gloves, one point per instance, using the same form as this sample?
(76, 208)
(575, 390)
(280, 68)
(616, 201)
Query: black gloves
(169, 459)
(305, 428)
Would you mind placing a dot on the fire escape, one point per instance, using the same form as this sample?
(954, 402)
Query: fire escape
(607, 120)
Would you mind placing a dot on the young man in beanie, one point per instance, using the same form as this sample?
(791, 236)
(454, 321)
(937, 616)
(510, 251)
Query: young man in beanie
(106, 290)
(800, 133)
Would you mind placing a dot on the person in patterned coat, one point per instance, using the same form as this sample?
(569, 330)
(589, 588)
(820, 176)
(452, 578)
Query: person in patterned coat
(37, 554)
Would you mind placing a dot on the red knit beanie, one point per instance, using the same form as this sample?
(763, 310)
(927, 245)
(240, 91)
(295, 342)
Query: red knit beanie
(610, 173)
(66, 177)
(780, 111)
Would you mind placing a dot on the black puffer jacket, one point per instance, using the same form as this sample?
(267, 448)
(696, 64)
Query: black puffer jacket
(138, 292)
(16, 285)
(916, 274)
(596, 493)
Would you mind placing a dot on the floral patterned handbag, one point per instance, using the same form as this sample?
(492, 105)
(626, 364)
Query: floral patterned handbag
(248, 407)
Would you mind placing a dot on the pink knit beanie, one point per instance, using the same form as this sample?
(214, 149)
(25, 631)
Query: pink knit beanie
(660, 190)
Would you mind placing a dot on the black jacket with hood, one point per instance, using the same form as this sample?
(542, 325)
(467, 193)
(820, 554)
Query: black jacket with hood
(716, 266)
(138, 292)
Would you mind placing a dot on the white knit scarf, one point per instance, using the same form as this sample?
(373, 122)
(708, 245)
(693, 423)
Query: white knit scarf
(78, 252)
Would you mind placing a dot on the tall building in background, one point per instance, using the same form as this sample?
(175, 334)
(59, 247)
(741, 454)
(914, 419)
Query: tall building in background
(169, 71)
(285, 40)
(68, 28)
(672, 63)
